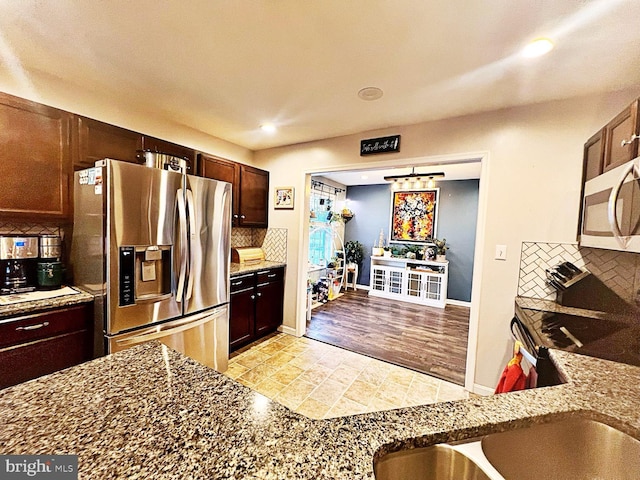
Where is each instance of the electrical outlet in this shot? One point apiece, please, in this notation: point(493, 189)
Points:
point(501, 252)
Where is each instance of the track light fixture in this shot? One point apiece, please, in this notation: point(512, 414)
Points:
point(414, 180)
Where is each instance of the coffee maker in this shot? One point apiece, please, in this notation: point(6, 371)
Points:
point(18, 264)
point(50, 270)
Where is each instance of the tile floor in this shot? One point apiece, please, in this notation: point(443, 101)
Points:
point(322, 381)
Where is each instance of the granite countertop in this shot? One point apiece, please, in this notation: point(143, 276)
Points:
point(151, 413)
point(239, 269)
point(34, 306)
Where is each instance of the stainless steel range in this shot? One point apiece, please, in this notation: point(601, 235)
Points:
point(597, 334)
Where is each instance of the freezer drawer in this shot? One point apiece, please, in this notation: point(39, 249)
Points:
point(203, 337)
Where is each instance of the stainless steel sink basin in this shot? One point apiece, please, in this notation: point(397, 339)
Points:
point(438, 462)
point(569, 449)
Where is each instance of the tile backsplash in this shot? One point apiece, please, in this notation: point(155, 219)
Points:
point(8, 228)
point(619, 271)
point(272, 240)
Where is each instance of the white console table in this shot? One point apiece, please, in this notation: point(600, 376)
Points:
point(416, 281)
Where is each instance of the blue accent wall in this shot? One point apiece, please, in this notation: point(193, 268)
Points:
point(457, 217)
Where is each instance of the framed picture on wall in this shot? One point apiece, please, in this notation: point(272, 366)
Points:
point(283, 197)
point(414, 216)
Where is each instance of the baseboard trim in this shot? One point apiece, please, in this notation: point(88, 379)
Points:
point(358, 287)
point(287, 330)
point(458, 303)
point(482, 390)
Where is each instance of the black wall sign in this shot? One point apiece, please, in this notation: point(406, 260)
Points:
point(372, 146)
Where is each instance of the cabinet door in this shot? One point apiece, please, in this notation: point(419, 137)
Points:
point(163, 146)
point(35, 153)
point(594, 155)
point(241, 318)
point(98, 140)
point(378, 278)
point(621, 138)
point(254, 197)
point(226, 171)
point(269, 307)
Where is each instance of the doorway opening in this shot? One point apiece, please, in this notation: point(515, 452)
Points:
point(440, 342)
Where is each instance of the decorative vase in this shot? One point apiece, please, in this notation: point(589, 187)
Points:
point(387, 253)
point(377, 251)
point(441, 258)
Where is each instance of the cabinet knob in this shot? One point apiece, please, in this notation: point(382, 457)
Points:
point(242, 217)
point(624, 143)
point(253, 297)
point(235, 215)
point(259, 294)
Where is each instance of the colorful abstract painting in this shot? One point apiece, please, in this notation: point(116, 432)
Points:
point(413, 216)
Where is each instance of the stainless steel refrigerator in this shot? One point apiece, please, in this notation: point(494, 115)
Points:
point(153, 246)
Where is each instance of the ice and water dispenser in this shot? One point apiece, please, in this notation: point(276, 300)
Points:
point(145, 273)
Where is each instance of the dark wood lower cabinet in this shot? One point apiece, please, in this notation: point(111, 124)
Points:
point(256, 306)
point(42, 343)
point(242, 318)
point(268, 309)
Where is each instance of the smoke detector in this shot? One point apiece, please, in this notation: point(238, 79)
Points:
point(370, 93)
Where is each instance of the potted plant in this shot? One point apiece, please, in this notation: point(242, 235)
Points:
point(354, 252)
point(441, 249)
point(414, 252)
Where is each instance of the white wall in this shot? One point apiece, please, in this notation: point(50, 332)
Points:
point(532, 187)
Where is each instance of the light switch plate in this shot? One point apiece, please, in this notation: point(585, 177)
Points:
point(501, 252)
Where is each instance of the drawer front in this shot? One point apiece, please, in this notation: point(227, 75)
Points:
point(27, 328)
point(268, 276)
point(41, 357)
point(242, 282)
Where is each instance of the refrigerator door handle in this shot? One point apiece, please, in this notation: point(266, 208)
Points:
point(182, 219)
point(169, 329)
point(191, 211)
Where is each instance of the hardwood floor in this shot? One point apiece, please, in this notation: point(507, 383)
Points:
point(426, 339)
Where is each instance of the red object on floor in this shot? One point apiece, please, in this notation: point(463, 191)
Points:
point(512, 378)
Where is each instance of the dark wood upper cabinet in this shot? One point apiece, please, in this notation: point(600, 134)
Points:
point(162, 146)
point(98, 140)
point(35, 154)
point(226, 171)
point(621, 137)
point(250, 188)
point(594, 155)
point(254, 197)
point(41, 146)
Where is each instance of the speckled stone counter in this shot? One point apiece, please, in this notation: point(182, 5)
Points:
point(150, 413)
point(35, 306)
point(239, 269)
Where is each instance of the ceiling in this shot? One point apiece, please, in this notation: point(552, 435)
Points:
point(226, 66)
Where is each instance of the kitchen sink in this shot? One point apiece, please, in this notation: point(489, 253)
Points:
point(438, 462)
point(568, 449)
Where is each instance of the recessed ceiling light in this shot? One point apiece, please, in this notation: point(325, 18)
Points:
point(537, 48)
point(370, 93)
point(268, 127)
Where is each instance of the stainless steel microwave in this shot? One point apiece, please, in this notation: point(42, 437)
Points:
point(611, 209)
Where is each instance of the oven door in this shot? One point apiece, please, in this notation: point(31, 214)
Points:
point(548, 375)
point(611, 210)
